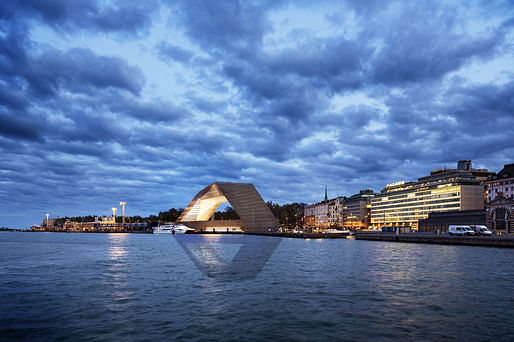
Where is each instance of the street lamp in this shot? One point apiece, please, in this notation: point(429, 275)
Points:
point(114, 214)
point(47, 219)
point(123, 211)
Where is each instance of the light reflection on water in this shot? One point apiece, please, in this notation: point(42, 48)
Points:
point(118, 249)
point(145, 287)
point(115, 276)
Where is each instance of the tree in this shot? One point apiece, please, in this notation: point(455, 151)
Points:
point(228, 214)
point(287, 214)
point(170, 216)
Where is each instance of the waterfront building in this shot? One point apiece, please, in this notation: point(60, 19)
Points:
point(254, 214)
point(500, 204)
point(101, 225)
point(501, 184)
point(404, 204)
point(48, 222)
point(321, 214)
point(335, 211)
point(308, 215)
point(439, 221)
point(466, 166)
point(37, 228)
point(500, 214)
point(317, 215)
point(357, 210)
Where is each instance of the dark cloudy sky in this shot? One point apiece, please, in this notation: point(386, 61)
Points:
point(150, 101)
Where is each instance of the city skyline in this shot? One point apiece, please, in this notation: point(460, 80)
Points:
point(102, 102)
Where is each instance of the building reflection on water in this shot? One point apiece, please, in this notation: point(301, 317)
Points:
point(212, 255)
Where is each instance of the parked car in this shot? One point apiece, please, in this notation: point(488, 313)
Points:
point(481, 230)
point(460, 230)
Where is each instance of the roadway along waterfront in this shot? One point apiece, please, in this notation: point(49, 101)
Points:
point(483, 241)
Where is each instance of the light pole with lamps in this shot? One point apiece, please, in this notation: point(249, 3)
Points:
point(123, 211)
point(114, 214)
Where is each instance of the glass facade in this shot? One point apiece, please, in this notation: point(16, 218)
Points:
point(404, 204)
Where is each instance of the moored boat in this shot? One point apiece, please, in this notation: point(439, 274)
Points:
point(171, 228)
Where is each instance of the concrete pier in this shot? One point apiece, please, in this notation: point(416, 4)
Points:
point(483, 241)
point(287, 235)
point(305, 235)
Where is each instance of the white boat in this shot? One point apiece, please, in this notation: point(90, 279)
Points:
point(171, 228)
point(337, 231)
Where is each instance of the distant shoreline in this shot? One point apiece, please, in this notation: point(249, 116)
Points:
point(72, 232)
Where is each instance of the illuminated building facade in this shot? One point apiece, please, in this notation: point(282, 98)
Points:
point(101, 225)
point(357, 210)
point(321, 214)
point(404, 204)
point(317, 215)
point(500, 205)
point(308, 215)
point(500, 215)
point(503, 184)
point(335, 211)
point(254, 214)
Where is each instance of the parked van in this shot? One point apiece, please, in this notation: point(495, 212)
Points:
point(480, 229)
point(460, 230)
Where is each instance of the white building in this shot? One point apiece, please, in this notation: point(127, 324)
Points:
point(503, 184)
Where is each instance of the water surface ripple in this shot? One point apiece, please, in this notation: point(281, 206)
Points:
point(130, 287)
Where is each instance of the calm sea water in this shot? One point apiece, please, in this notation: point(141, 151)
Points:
point(129, 287)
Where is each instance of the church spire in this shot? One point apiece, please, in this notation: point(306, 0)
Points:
point(326, 195)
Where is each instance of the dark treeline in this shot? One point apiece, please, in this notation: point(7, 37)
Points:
point(227, 214)
point(168, 216)
point(60, 220)
point(287, 214)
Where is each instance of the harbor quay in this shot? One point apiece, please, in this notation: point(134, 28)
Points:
point(441, 239)
point(503, 240)
point(304, 235)
point(506, 241)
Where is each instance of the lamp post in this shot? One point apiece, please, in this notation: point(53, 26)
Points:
point(114, 215)
point(47, 219)
point(123, 211)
